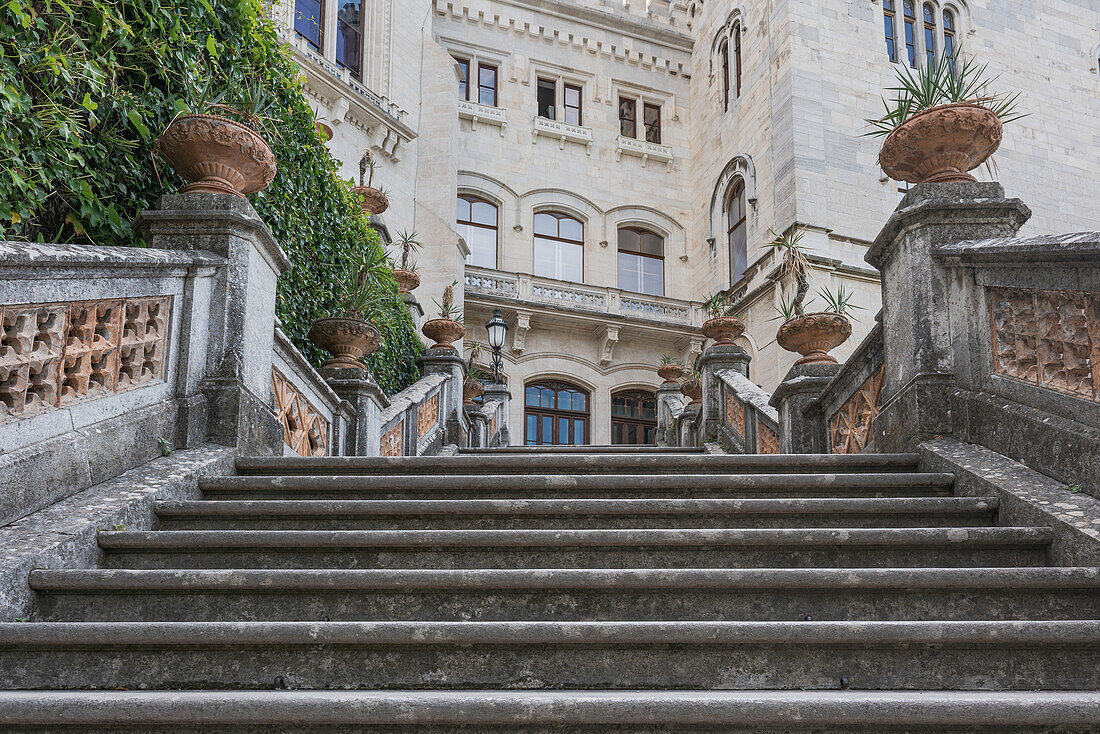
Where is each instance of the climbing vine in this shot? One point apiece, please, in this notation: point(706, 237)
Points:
point(86, 86)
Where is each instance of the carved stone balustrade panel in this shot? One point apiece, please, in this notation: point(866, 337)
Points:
point(393, 443)
point(767, 440)
point(427, 416)
point(305, 430)
point(850, 427)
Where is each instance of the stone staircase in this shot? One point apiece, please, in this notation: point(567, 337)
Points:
point(564, 591)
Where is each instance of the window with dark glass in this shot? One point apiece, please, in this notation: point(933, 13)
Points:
point(547, 92)
point(737, 56)
point(463, 79)
point(738, 240)
point(652, 122)
point(633, 418)
point(949, 38)
point(555, 413)
point(628, 122)
point(487, 85)
point(559, 246)
point(889, 20)
point(930, 35)
point(641, 261)
point(910, 32)
point(477, 224)
point(724, 53)
point(309, 21)
point(573, 105)
point(349, 35)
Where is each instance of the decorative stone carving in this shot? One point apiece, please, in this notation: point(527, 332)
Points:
point(767, 440)
point(735, 413)
point(1048, 338)
point(217, 155)
point(427, 416)
point(305, 431)
point(144, 327)
point(393, 443)
point(850, 427)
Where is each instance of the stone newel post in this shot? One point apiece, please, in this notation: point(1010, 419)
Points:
point(233, 392)
point(713, 360)
point(447, 362)
point(499, 391)
point(799, 433)
point(367, 401)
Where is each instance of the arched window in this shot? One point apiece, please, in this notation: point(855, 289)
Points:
point(737, 56)
point(889, 20)
point(736, 232)
point(930, 35)
point(633, 417)
point(555, 413)
point(949, 37)
point(910, 32)
point(641, 261)
point(724, 52)
point(477, 224)
point(559, 246)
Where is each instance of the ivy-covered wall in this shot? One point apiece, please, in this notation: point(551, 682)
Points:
point(87, 86)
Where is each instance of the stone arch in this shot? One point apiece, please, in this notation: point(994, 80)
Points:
point(740, 166)
point(487, 187)
point(649, 218)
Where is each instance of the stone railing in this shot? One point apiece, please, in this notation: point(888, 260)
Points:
point(313, 417)
point(645, 150)
point(475, 113)
point(748, 424)
point(498, 285)
point(562, 132)
point(413, 423)
point(489, 419)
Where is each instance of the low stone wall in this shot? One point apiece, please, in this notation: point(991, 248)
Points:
point(749, 425)
point(314, 418)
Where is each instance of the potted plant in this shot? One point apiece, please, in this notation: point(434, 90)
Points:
point(671, 369)
point(373, 200)
point(405, 273)
point(447, 327)
point(350, 336)
point(811, 335)
point(474, 385)
point(692, 387)
point(942, 123)
point(722, 325)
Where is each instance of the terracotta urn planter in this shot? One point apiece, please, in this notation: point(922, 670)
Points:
point(812, 335)
point(670, 372)
point(324, 130)
point(443, 332)
point(217, 155)
point(941, 144)
point(471, 389)
point(407, 280)
point(723, 329)
point(348, 340)
point(371, 199)
point(693, 389)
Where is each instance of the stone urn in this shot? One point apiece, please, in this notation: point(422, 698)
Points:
point(693, 389)
point(670, 372)
point(348, 340)
point(371, 199)
point(407, 280)
point(723, 329)
point(443, 332)
point(471, 388)
point(217, 155)
point(941, 144)
point(812, 335)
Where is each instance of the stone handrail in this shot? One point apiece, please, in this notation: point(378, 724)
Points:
point(748, 425)
point(414, 422)
point(313, 417)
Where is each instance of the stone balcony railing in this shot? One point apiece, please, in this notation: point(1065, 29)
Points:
point(483, 113)
point(562, 132)
point(529, 289)
point(643, 149)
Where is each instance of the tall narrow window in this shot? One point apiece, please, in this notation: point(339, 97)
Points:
point(349, 35)
point(738, 240)
point(641, 261)
point(555, 413)
point(652, 123)
point(930, 35)
point(737, 56)
point(889, 20)
point(309, 21)
point(724, 52)
point(547, 91)
point(910, 32)
point(628, 111)
point(463, 79)
point(949, 38)
point(487, 85)
point(559, 247)
point(477, 224)
point(573, 105)
point(633, 417)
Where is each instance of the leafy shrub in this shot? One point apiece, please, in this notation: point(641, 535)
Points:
point(85, 89)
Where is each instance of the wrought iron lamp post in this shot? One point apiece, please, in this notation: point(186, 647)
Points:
point(497, 329)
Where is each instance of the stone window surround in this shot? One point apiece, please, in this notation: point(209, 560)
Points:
point(643, 96)
point(329, 29)
point(475, 56)
point(725, 39)
point(562, 76)
point(962, 28)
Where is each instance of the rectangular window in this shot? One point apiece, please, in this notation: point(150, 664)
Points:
point(652, 123)
point(308, 21)
point(725, 76)
point(547, 91)
point(891, 31)
point(641, 274)
point(463, 79)
point(573, 105)
point(559, 260)
point(910, 33)
point(628, 110)
point(349, 35)
point(487, 85)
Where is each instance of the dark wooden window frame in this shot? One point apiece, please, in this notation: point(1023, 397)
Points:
point(724, 53)
point(737, 191)
point(737, 56)
point(949, 31)
point(358, 73)
point(909, 31)
point(661, 257)
point(565, 107)
point(320, 45)
point(646, 107)
point(475, 199)
point(558, 238)
point(929, 13)
point(890, 32)
point(556, 413)
point(633, 118)
point(464, 64)
point(496, 83)
point(539, 84)
point(641, 423)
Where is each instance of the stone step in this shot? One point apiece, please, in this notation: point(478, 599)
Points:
point(507, 514)
point(630, 548)
point(569, 594)
point(535, 451)
point(587, 655)
point(585, 463)
point(552, 712)
point(578, 486)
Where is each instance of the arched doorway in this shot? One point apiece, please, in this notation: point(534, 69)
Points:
point(633, 417)
point(555, 413)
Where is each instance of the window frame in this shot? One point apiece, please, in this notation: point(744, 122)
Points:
point(633, 119)
point(643, 424)
point(950, 35)
point(319, 47)
point(464, 64)
point(737, 191)
point(646, 106)
point(362, 31)
point(478, 199)
point(481, 66)
point(640, 230)
point(556, 413)
point(558, 215)
point(540, 82)
point(724, 54)
point(579, 89)
point(928, 13)
point(889, 11)
point(737, 55)
point(909, 31)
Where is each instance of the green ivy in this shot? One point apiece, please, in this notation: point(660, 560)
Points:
point(85, 89)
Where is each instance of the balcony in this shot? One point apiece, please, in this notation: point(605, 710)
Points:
point(582, 299)
point(476, 113)
point(645, 150)
point(562, 132)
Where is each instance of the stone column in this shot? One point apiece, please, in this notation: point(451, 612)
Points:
point(447, 362)
point(367, 400)
point(499, 391)
point(919, 374)
point(713, 360)
point(800, 433)
point(236, 384)
point(667, 431)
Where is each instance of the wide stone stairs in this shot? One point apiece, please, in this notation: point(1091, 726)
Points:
point(564, 591)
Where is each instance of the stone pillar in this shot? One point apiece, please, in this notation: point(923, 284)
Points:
point(715, 359)
point(499, 391)
point(236, 384)
point(367, 401)
point(800, 433)
point(919, 374)
point(667, 431)
point(416, 311)
point(447, 362)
